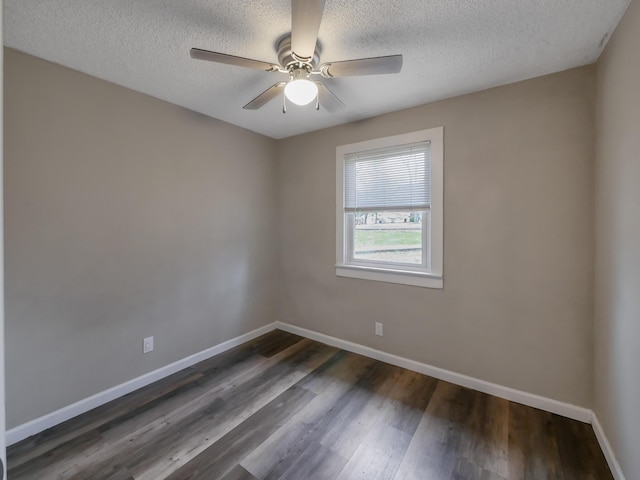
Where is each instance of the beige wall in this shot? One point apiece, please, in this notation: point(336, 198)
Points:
point(128, 217)
point(517, 305)
point(617, 334)
point(125, 217)
point(3, 456)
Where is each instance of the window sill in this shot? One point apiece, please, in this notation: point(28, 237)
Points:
point(415, 279)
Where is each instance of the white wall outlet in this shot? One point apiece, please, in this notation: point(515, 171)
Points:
point(378, 329)
point(147, 345)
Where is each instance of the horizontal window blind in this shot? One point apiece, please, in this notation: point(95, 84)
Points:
point(388, 179)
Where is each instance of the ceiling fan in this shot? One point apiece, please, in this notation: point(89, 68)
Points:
point(299, 56)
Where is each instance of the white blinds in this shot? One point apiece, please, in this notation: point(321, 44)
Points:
point(396, 178)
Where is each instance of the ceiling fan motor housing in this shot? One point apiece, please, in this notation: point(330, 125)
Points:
point(288, 59)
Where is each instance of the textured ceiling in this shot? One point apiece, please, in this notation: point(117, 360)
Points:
point(450, 47)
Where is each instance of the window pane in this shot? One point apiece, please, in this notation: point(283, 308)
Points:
point(394, 237)
point(389, 179)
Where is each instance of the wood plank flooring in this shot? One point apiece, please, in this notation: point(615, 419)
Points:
point(287, 408)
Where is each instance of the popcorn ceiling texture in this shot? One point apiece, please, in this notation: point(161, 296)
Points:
point(450, 47)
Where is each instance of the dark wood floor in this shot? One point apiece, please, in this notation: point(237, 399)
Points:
point(284, 407)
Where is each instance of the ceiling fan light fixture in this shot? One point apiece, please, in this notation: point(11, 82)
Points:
point(299, 56)
point(300, 90)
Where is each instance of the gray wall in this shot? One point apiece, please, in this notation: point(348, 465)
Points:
point(125, 217)
point(517, 305)
point(617, 359)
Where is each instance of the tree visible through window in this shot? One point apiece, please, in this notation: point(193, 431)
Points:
point(394, 237)
point(388, 201)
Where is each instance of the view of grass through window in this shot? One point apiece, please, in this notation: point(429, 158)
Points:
point(394, 237)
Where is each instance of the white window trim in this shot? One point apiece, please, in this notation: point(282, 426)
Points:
point(432, 279)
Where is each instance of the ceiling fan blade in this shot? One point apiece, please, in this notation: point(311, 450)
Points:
point(306, 16)
point(363, 66)
point(200, 54)
point(265, 97)
point(328, 99)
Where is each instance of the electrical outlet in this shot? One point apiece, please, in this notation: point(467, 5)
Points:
point(147, 345)
point(378, 329)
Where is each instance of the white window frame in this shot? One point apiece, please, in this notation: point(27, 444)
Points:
point(430, 274)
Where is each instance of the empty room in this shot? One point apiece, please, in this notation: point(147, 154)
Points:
point(320, 239)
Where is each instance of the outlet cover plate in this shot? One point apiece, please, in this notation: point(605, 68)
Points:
point(147, 345)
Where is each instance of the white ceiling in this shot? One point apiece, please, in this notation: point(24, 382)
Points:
point(450, 47)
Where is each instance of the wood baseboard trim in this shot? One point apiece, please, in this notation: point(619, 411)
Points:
point(49, 420)
point(543, 403)
point(612, 461)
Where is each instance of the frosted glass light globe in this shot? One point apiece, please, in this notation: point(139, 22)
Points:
point(301, 91)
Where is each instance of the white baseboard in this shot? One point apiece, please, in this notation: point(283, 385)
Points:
point(614, 466)
point(543, 403)
point(3, 449)
point(568, 410)
point(547, 404)
point(54, 418)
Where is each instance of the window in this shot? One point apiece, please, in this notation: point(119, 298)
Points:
point(389, 223)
